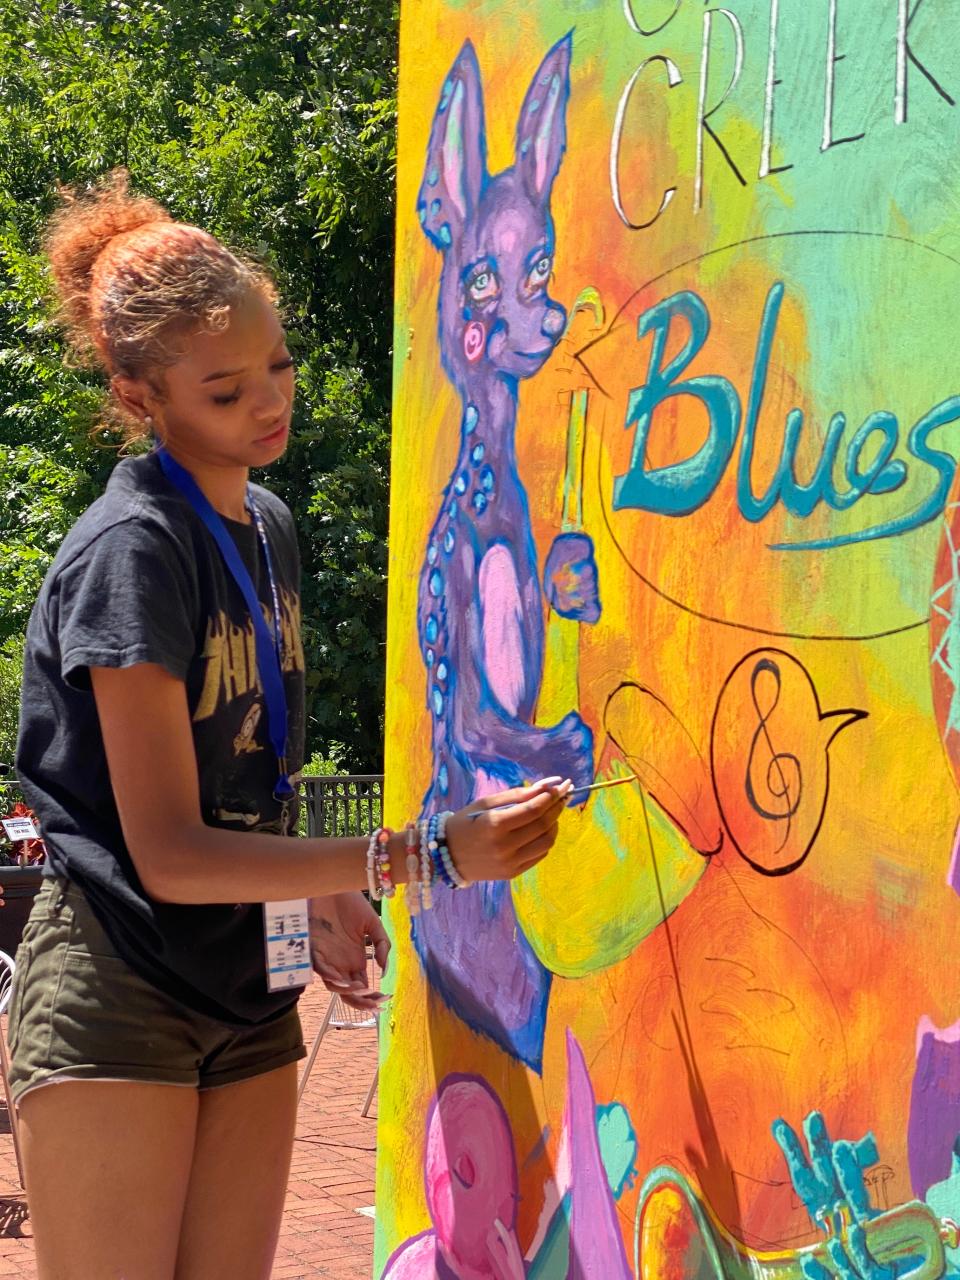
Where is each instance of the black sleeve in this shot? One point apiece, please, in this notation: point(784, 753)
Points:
point(128, 597)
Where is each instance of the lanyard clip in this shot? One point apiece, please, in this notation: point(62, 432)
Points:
point(284, 789)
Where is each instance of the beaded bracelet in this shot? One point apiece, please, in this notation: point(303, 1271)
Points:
point(428, 843)
point(439, 861)
point(453, 875)
point(434, 863)
point(435, 859)
point(379, 881)
point(437, 850)
point(382, 858)
point(426, 872)
point(414, 887)
point(373, 886)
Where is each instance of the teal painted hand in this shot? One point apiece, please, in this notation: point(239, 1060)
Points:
point(828, 1178)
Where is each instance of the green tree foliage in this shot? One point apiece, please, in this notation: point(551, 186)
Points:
point(270, 123)
point(11, 672)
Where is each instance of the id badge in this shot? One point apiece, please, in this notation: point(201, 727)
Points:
point(287, 938)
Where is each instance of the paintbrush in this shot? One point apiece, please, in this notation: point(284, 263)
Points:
point(599, 786)
point(577, 791)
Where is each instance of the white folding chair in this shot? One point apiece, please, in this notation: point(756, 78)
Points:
point(341, 1017)
point(7, 970)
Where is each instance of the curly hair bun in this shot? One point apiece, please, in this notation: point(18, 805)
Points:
point(78, 233)
point(134, 285)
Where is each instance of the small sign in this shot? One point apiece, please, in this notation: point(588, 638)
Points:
point(287, 931)
point(20, 829)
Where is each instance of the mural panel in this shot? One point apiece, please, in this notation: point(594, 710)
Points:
point(677, 415)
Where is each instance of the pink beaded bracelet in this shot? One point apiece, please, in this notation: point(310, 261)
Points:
point(382, 856)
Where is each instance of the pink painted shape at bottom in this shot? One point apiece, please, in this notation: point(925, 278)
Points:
point(470, 1172)
point(596, 1245)
point(470, 1178)
point(415, 1260)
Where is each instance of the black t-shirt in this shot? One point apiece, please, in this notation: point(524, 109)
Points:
point(140, 579)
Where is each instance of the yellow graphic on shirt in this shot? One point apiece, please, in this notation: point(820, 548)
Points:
point(230, 656)
point(280, 825)
point(245, 742)
point(226, 815)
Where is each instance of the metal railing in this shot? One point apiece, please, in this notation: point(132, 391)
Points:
point(343, 804)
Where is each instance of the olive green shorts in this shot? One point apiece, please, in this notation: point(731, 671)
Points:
point(79, 1012)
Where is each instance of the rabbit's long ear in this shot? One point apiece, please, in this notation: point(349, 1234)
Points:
point(542, 129)
point(456, 167)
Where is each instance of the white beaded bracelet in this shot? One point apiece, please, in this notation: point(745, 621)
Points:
point(426, 870)
point(445, 855)
point(376, 893)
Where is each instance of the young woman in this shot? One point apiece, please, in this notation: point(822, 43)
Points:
point(153, 1056)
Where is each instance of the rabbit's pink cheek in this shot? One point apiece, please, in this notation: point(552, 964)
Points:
point(474, 338)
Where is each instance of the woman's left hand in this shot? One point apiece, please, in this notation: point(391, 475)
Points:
point(340, 928)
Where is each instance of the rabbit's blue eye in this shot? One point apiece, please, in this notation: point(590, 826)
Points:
point(540, 274)
point(484, 286)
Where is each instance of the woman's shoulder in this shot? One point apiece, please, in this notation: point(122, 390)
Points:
point(267, 500)
point(136, 512)
point(273, 509)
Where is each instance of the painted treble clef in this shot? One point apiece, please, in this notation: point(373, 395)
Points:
point(786, 792)
point(766, 691)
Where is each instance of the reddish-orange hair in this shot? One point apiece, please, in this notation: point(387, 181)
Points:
point(133, 284)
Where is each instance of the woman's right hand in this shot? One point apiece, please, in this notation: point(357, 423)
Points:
point(502, 835)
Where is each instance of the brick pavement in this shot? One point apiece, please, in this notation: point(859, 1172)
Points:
point(323, 1236)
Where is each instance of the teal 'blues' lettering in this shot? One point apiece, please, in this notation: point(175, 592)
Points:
point(683, 486)
point(942, 463)
point(882, 476)
point(801, 500)
point(755, 509)
point(688, 484)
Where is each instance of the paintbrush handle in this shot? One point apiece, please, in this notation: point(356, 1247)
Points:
point(577, 791)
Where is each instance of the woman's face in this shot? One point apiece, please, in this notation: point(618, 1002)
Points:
point(228, 400)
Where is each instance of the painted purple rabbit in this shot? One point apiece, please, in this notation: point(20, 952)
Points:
point(480, 612)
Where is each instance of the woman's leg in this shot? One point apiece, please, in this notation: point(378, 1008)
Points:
point(239, 1178)
point(107, 1167)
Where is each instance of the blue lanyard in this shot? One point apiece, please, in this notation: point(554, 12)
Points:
point(269, 649)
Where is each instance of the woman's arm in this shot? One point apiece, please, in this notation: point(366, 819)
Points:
point(146, 730)
point(145, 723)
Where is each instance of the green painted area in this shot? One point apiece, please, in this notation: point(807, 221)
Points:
point(568, 918)
point(553, 1256)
